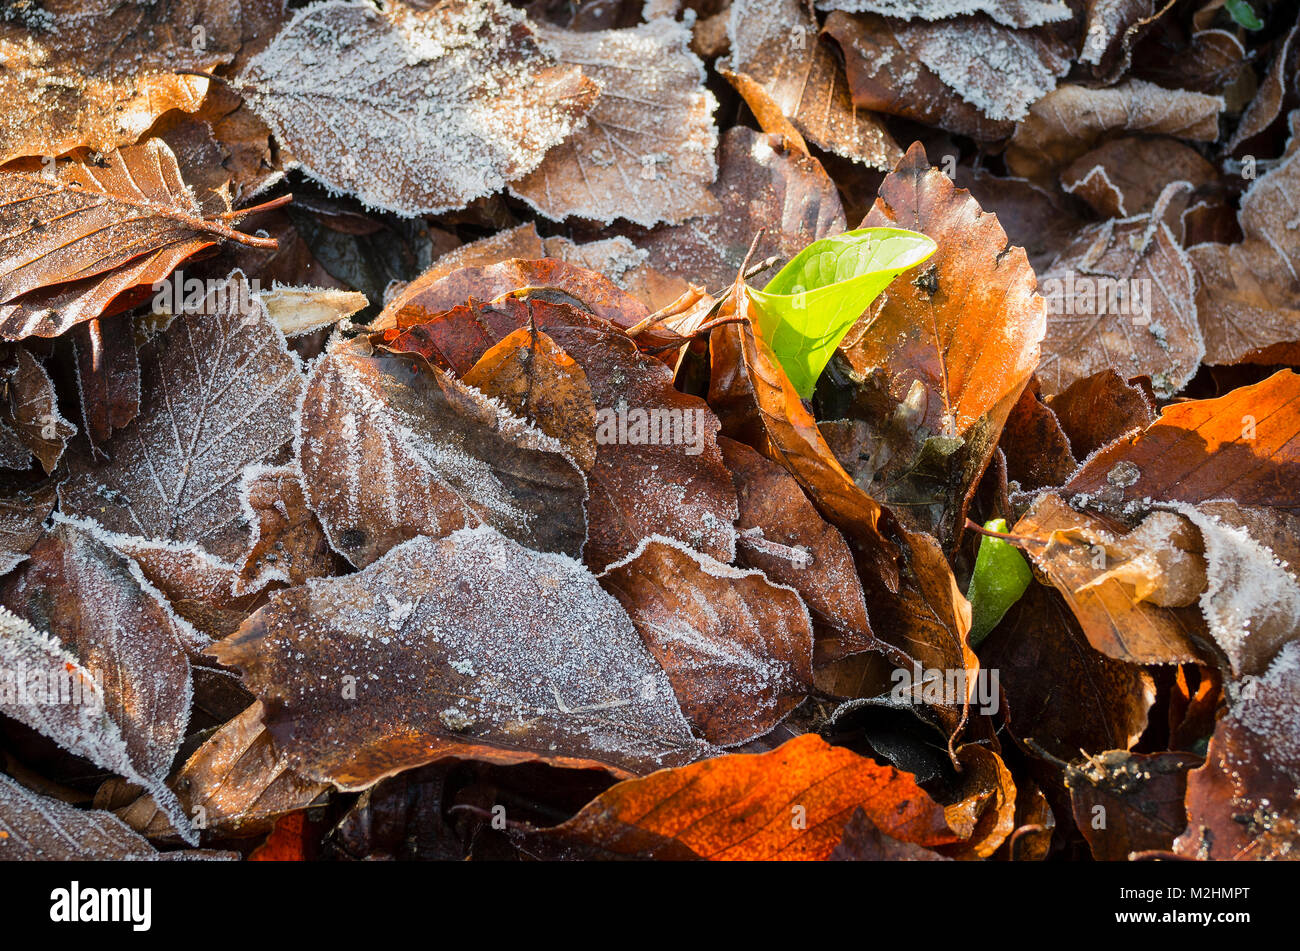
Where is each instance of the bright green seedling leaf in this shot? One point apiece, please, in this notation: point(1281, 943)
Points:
point(1000, 577)
point(1244, 14)
point(807, 308)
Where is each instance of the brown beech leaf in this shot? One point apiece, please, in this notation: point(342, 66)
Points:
point(22, 512)
point(646, 152)
point(758, 405)
point(415, 111)
point(638, 487)
point(1072, 119)
point(97, 73)
point(1137, 796)
point(1266, 106)
point(1115, 180)
point(1078, 553)
point(762, 183)
point(1036, 447)
point(1014, 13)
point(739, 807)
point(236, 781)
point(32, 408)
point(1122, 297)
point(288, 544)
point(1247, 292)
point(781, 534)
point(390, 447)
point(1241, 446)
point(1111, 28)
point(1241, 804)
point(470, 646)
point(1062, 693)
point(958, 343)
point(84, 614)
point(533, 378)
point(36, 828)
point(219, 389)
point(983, 812)
point(736, 647)
point(776, 62)
point(864, 841)
point(108, 375)
point(1035, 218)
point(76, 241)
point(1099, 409)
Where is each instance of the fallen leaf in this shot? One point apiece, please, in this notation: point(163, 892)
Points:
point(646, 151)
point(1015, 13)
point(1099, 409)
point(469, 645)
point(32, 409)
point(287, 543)
point(863, 841)
point(464, 99)
point(108, 375)
point(1129, 802)
point(301, 310)
point(23, 511)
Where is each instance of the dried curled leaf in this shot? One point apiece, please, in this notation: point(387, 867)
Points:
point(646, 151)
point(219, 389)
point(737, 648)
point(32, 409)
point(415, 111)
point(470, 645)
point(390, 449)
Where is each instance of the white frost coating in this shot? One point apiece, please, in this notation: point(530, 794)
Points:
point(1017, 13)
point(1251, 600)
point(646, 153)
point(414, 112)
point(41, 828)
point(1270, 708)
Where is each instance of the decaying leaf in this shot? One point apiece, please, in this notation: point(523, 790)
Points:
point(1015, 13)
point(646, 151)
point(739, 807)
point(31, 410)
point(301, 310)
point(22, 512)
point(287, 543)
point(467, 645)
point(1099, 409)
point(737, 648)
point(415, 111)
point(1139, 794)
point(108, 375)
point(219, 389)
point(776, 62)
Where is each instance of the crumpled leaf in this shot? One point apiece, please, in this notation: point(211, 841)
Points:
point(983, 812)
point(1241, 804)
point(219, 389)
point(97, 73)
point(470, 645)
point(1241, 446)
point(737, 648)
point(77, 609)
point(90, 240)
point(646, 151)
point(41, 828)
point(440, 105)
point(791, 803)
point(22, 513)
point(1115, 178)
point(1071, 119)
point(1246, 293)
point(1099, 409)
point(957, 343)
point(776, 62)
point(1122, 297)
point(390, 449)
point(32, 409)
point(287, 542)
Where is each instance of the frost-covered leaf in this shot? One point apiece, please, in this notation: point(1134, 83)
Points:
point(390, 447)
point(287, 544)
point(1017, 13)
point(1121, 297)
point(108, 374)
point(1110, 29)
point(116, 646)
point(955, 345)
point(36, 828)
point(1115, 178)
point(219, 389)
point(774, 45)
point(1072, 119)
point(22, 511)
point(32, 409)
point(470, 645)
point(415, 111)
point(646, 152)
point(97, 73)
point(1099, 409)
point(737, 648)
point(658, 468)
point(89, 239)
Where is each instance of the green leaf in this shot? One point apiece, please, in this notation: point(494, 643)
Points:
point(1244, 14)
point(1000, 577)
point(807, 308)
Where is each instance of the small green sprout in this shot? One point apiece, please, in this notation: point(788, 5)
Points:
point(1244, 14)
point(1000, 577)
point(807, 308)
